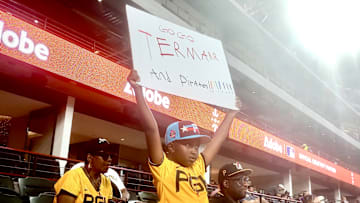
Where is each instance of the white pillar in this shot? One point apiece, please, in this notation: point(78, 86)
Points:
point(288, 182)
point(337, 194)
point(63, 131)
point(310, 188)
point(207, 174)
point(302, 183)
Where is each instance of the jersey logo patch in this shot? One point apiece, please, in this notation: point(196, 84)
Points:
point(197, 183)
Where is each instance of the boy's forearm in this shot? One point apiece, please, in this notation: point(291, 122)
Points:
point(153, 140)
point(148, 121)
point(150, 126)
point(220, 136)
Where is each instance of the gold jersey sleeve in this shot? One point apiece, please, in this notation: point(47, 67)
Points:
point(178, 184)
point(78, 184)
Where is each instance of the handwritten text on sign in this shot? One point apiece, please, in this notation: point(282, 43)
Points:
point(179, 61)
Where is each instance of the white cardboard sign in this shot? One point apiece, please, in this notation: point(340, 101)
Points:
point(176, 60)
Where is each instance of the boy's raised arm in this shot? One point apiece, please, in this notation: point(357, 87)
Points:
point(147, 120)
point(220, 136)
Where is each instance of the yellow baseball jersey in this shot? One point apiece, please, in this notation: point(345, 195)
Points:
point(178, 184)
point(77, 183)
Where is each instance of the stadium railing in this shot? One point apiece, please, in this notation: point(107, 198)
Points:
point(32, 164)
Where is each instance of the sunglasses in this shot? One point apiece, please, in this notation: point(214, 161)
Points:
point(105, 155)
point(243, 179)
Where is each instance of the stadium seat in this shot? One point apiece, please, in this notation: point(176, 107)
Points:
point(133, 195)
point(43, 198)
point(8, 191)
point(33, 186)
point(148, 197)
point(6, 182)
point(8, 198)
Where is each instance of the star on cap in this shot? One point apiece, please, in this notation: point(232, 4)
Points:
point(184, 129)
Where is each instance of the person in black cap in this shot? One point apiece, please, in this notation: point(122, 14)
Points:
point(233, 181)
point(87, 184)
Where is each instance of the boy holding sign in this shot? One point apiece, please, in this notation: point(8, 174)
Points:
point(178, 175)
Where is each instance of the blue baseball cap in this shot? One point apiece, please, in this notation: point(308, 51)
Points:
point(184, 130)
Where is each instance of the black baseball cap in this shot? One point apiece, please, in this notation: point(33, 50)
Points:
point(98, 145)
point(231, 170)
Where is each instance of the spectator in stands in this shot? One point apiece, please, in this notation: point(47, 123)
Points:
point(286, 195)
point(307, 199)
point(115, 180)
point(280, 190)
point(277, 191)
point(305, 147)
point(254, 198)
point(179, 174)
point(252, 188)
point(87, 184)
point(233, 181)
point(319, 199)
point(250, 195)
point(300, 196)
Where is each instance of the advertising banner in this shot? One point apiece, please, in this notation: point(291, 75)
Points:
point(257, 138)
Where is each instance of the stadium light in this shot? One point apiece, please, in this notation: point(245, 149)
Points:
point(329, 28)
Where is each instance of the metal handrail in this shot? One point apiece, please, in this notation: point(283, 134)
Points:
point(137, 183)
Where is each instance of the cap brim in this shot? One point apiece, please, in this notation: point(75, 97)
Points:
point(96, 149)
point(242, 172)
point(203, 138)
